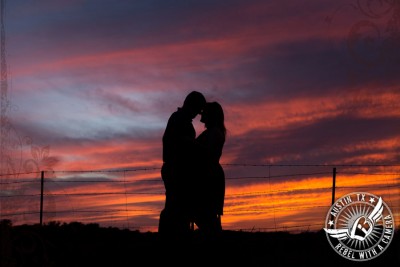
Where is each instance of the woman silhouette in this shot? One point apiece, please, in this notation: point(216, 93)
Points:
point(210, 186)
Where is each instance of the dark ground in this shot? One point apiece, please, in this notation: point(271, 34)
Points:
point(76, 244)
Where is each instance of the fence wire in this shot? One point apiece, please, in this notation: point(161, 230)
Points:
point(21, 188)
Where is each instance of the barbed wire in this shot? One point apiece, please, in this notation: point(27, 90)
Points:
point(310, 165)
point(20, 182)
point(229, 229)
point(160, 180)
point(19, 173)
point(262, 229)
point(230, 210)
point(107, 170)
point(223, 164)
point(367, 173)
point(258, 193)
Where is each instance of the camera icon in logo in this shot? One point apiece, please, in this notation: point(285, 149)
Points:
point(362, 227)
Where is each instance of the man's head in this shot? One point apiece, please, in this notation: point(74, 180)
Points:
point(194, 103)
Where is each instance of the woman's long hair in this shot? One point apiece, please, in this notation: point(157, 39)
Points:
point(215, 116)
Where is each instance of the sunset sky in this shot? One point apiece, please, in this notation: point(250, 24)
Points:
point(305, 86)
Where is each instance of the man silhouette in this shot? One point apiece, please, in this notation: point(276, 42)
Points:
point(178, 164)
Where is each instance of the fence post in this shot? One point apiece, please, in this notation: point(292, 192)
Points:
point(333, 188)
point(41, 197)
point(333, 185)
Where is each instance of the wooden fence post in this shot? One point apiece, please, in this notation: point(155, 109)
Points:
point(333, 185)
point(41, 197)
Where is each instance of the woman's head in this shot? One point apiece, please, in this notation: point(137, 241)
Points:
point(213, 116)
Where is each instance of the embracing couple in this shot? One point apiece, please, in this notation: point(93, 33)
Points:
point(193, 178)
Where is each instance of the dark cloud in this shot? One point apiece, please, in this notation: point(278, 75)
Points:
point(325, 141)
point(306, 68)
point(76, 27)
point(97, 26)
point(114, 102)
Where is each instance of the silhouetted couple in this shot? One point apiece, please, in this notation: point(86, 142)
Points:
point(193, 177)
